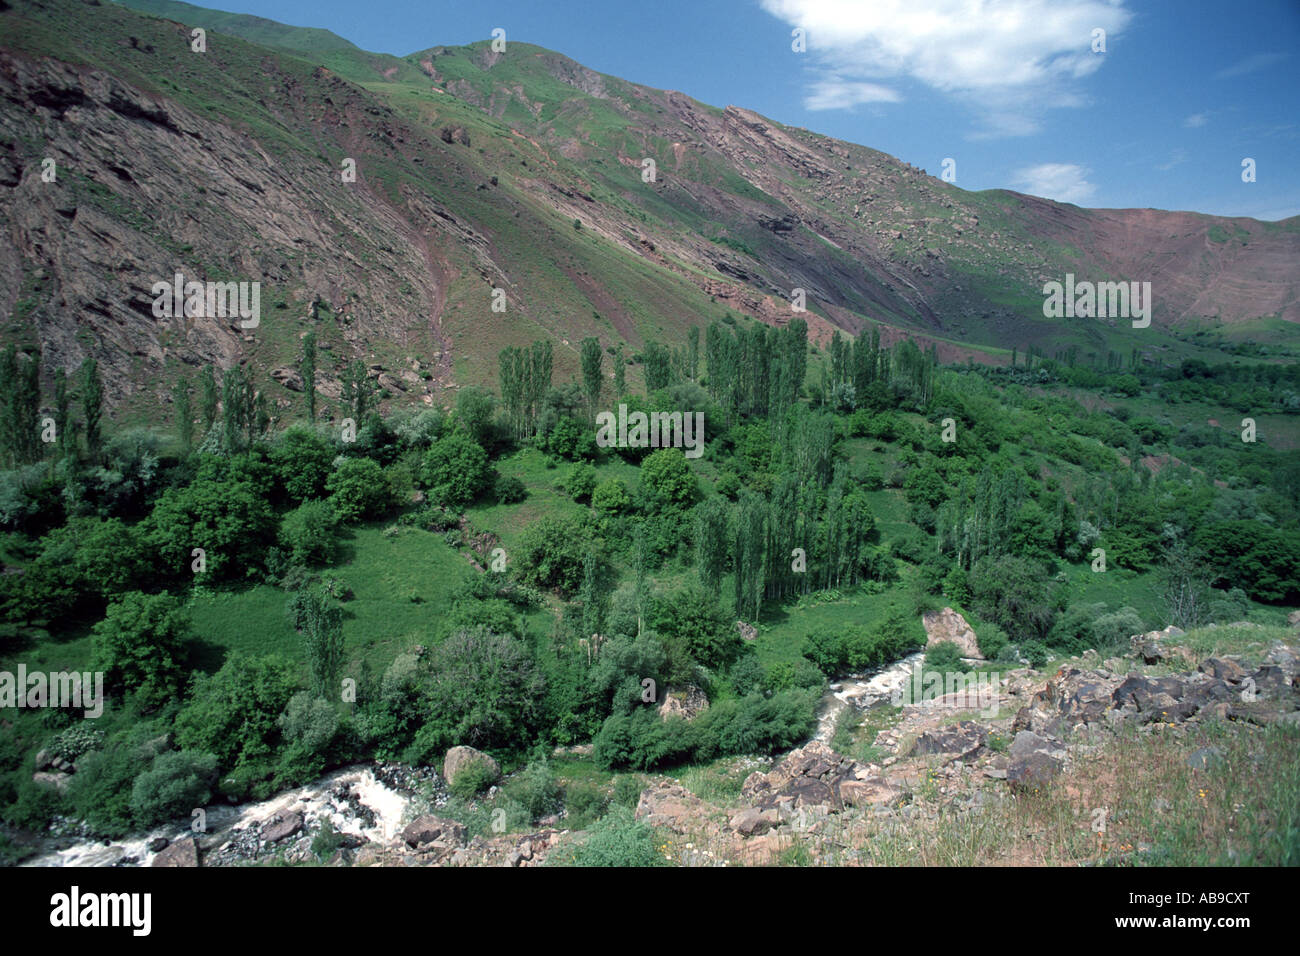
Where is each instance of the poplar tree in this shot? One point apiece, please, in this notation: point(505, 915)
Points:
point(711, 544)
point(92, 405)
point(593, 379)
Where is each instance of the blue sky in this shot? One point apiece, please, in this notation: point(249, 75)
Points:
point(1016, 96)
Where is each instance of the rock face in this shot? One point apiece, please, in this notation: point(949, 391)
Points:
point(688, 703)
point(948, 625)
point(459, 758)
point(184, 852)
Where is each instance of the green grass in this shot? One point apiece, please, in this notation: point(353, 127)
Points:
point(379, 622)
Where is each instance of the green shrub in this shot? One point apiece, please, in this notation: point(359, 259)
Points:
point(617, 839)
point(510, 490)
point(991, 640)
point(76, 740)
point(536, 790)
point(359, 489)
point(309, 533)
point(580, 481)
point(177, 782)
point(1035, 652)
point(455, 470)
point(944, 656)
point(140, 646)
point(585, 803)
point(473, 779)
point(327, 841)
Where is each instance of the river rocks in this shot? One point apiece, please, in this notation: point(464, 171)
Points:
point(688, 703)
point(458, 758)
point(183, 852)
point(429, 829)
point(948, 625)
point(282, 827)
point(157, 844)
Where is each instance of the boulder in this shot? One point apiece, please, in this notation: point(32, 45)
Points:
point(753, 821)
point(282, 827)
point(458, 758)
point(1027, 742)
point(948, 625)
point(1032, 771)
point(184, 852)
point(873, 791)
point(960, 741)
point(429, 829)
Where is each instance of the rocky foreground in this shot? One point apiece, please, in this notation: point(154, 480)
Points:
point(1054, 761)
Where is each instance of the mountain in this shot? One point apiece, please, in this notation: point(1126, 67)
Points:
point(521, 171)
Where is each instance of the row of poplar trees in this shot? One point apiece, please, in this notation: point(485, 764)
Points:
point(756, 371)
point(24, 430)
point(525, 377)
point(812, 531)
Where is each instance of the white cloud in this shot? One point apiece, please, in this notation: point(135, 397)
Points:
point(1176, 158)
point(1196, 120)
point(1064, 182)
point(836, 93)
point(1005, 56)
point(1251, 64)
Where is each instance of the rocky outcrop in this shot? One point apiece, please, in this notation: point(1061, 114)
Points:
point(687, 702)
point(817, 776)
point(1148, 646)
point(429, 829)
